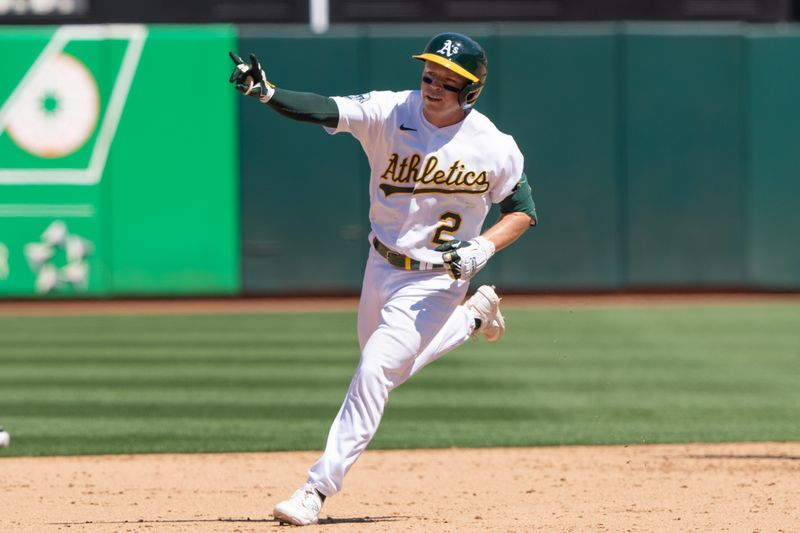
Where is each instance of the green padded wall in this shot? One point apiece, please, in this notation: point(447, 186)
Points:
point(567, 134)
point(660, 154)
point(686, 212)
point(304, 211)
point(774, 165)
point(557, 95)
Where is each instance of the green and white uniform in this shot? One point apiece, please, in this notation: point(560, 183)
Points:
point(427, 185)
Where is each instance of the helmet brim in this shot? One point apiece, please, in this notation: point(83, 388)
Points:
point(443, 61)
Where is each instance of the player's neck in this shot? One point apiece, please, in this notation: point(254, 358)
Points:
point(442, 120)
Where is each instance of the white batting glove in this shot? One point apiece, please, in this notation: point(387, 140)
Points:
point(463, 260)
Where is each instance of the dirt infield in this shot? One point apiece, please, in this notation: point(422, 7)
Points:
point(723, 487)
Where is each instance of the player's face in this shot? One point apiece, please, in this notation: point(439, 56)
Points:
point(440, 87)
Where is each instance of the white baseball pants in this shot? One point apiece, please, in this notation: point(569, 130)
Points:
point(406, 320)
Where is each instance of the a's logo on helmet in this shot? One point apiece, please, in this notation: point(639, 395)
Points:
point(449, 48)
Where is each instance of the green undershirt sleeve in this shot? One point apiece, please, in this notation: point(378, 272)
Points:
point(306, 107)
point(520, 200)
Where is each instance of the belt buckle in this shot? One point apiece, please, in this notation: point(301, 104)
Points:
point(394, 258)
point(398, 260)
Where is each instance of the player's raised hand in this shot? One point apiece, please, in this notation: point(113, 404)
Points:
point(464, 259)
point(251, 80)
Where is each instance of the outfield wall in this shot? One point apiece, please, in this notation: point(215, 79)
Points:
point(661, 155)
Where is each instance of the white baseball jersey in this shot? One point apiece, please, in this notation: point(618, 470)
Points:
point(428, 185)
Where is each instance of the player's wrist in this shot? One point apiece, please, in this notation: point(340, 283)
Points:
point(267, 92)
point(486, 245)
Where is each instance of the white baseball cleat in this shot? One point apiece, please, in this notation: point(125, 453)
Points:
point(302, 509)
point(485, 305)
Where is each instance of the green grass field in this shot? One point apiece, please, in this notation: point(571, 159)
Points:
point(114, 384)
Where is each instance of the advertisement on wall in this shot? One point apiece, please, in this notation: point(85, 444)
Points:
point(61, 105)
point(111, 181)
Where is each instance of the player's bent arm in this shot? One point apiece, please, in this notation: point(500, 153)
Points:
point(508, 228)
point(518, 213)
point(463, 260)
point(306, 107)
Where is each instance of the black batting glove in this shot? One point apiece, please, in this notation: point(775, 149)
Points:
point(251, 80)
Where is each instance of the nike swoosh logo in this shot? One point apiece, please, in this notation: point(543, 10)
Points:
point(403, 127)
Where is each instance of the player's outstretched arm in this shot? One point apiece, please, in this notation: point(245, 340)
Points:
point(306, 107)
point(251, 80)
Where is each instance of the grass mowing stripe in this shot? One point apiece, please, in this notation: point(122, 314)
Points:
point(113, 384)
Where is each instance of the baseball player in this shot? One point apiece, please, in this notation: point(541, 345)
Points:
point(437, 165)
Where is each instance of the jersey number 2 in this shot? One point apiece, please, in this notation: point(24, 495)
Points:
point(450, 224)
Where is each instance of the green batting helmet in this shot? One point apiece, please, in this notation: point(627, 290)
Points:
point(463, 56)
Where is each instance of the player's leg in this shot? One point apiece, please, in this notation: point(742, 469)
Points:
point(455, 332)
point(484, 306)
point(371, 299)
point(304, 506)
point(417, 306)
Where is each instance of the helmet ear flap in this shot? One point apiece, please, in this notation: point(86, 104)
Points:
point(469, 94)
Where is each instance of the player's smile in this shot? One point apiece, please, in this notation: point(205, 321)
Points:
point(431, 92)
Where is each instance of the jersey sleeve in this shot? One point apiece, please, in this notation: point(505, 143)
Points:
point(509, 173)
point(362, 115)
point(521, 201)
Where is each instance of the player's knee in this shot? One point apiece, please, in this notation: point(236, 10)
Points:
point(382, 375)
point(373, 372)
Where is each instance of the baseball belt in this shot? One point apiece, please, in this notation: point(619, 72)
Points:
point(402, 261)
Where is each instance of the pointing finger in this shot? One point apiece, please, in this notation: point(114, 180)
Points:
point(254, 62)
point(236, 59)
